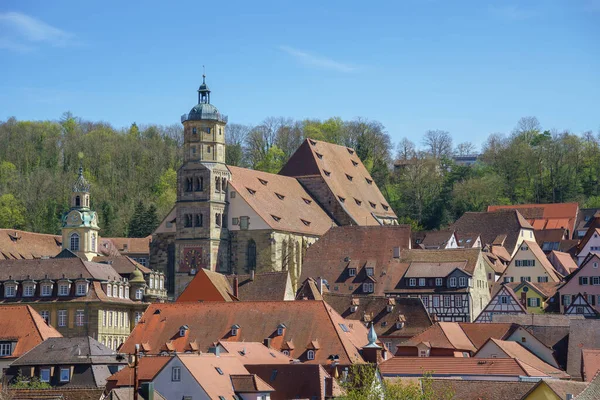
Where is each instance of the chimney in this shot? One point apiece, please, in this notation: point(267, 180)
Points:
point(236, 285)
point(147, 390)
point(524, 299)
point(267, 342)
point(251, 274)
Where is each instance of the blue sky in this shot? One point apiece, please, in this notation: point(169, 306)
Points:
point(469, 67)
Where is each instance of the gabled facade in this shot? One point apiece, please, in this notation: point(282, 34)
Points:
point(503, 302)
point(580, 306)
point(585, 281)
point(530, 264)
point(590, 243)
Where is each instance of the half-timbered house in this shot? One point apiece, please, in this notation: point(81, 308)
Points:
point(580, 306)
point(505, 301)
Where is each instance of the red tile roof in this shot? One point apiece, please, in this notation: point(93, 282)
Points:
point(15, 244)
point(590, 360)
point(294, 381)
point(30, 330)
point(345, 175)
point(148, 367)
point(305, 321)
point(251, 353)
point(127, 246)
point(456, 366)
point(355, 246)
point(562, 262)
point(281, 201)
point(546, 216)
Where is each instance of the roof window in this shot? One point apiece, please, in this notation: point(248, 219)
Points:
point(276, 218)
point(369, 181)
point(350, 150)
point(251, 191)
point(385, 207)
point(341, 199)
point(307, 201)
point(358, 202)
point(349, 177)
point(219, 370)
point(373, 205)
point(327, 173)
point(279, 196)
point(354, 163)
point(312, 142)
point(305, 222)
point(263, 181)
point(319, 155)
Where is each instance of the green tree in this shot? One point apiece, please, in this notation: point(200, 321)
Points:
point(273, 160)
point(137, 221)
point(12, 212)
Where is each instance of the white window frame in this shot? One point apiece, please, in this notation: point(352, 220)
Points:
point(139, 294)
point(422, 281)
point(63, 318)
point(74, 242)
point(10, 290)
point(5, 349)
point(79, 318)
point(110, 318)
point(436, 301)
point(121, 291)
point(412, 282)
point(81, 289)
point(45, 314)
point(46, 290)
point(370, 271)
point(61, 292)
point(68, 371)
point(28, 290)
point(452, 281)
point(47, 371)
point(462, 281)
point(109, 290)
point(176, 374)
point(310, 355)
point(439, 281)
point(447, 301)
point(126, 292)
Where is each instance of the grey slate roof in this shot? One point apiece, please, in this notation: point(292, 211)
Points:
point(61, 351)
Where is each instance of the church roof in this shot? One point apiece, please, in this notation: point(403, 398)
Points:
point(345, 175)
point(280, 201)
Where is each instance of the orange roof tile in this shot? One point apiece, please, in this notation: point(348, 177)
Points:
point(590, 363)
point(545, 263)
point(127, 246)
point(546, 216)
point(30, 330)
point(148, 367)
point(563, 261)
point(294, 381)
point(345, 175)
point(305, 321)
point(453, 366)
point(15, 244)
point(251, 353)
point(281, 202)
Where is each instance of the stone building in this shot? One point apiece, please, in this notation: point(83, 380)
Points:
point(235, 220)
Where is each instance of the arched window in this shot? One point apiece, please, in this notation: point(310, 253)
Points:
point(223, 184)
point(251, 255)
point(284, 255)
point(188, 184)
point(199, 184)
point(217, 184)
point(87, 201)
point(75, 241)
point(93, 242)
point(77, 201)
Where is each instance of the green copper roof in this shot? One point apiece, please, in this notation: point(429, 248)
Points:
point(81, 185)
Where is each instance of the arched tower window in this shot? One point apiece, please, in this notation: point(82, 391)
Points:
point(217, 184)
point(251, 255)
point(87, 201)
point(223, 184)
point(188, 184)
point(93, 242)
point(74, 242)
point(199, 184)
point(77, 201)
point(284, 255)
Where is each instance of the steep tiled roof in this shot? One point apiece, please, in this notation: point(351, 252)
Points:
point(479, 334)
point(501, 252)
point(122, 264)
point(590, 363)
point(480, 390)
point(517, 351)
point(126, 393)
point(294, 381)
point(560, 387)
point(545, 263)
point(588, 235)
point(251, 353)
point(55, 268)
point(76, 350)
point(249, 384)
point(583, 334)
point(466, 259)
point(213, 286)
point(437, 239)
point(148, 367)
point(16, 244)
point(546, 216)
point(131, 245)
point(280, 201)
point(492, 225)
point(443, 335)
point(30, 330)
point(305, 321)
point(415, 316)
point(586, 217)
point(592, 391)
point(57, 393)
point(563, 261)
point(418, 269)
point(550, 236)
point(355, 246)
point(345, 175)
point(467, 239)
point(456, 366)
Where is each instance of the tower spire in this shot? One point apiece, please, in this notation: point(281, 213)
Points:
point(203, 91)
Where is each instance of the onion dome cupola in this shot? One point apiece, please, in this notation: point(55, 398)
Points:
point(137, 277)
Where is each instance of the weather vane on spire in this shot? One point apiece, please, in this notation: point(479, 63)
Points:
point(203, 74)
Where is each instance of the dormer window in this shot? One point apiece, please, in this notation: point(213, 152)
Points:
point(354, 163)
point(319, 155)
point(384, 207)
point(10, 289)
point(369, 181)
point(310, 354)
point(368, 287)
point(412, 282)
point(453, 282)
point(109, 290)
point(63, 289)
point(349, 177)
point(263, 182)
point(352, 271)
point(327, 173)
point(462, 281)
point(358, 202)
point(370, 271)
point(280, 196)
point(46, 289)
point(281, 329)
point(312, 142)
point(182, 330)
point(305, 222)
point(421, 281)
point(234, 330)
point(81, 289)
point(353, 308)
point(251, 191)
point(307, 201)
point(350, 150)
point(373, 205)
point(342, 199)
point(438, 281)
point(28, 289)
point(276, 218)
point(389, 308)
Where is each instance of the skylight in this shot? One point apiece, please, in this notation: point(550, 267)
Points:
point(279, 196)
point(349, 177)
point(276, 218)
point(251, 191)
point(344, 327)
point(263, 181)
point(219, 370)
point(307, 201)
point(305, 222)
point(327, 173)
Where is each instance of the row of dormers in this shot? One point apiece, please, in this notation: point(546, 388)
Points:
point(45, 288)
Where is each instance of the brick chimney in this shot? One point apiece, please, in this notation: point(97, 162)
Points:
point(236, 286)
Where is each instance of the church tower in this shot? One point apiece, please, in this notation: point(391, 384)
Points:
point(201, 239)
point(80, 224)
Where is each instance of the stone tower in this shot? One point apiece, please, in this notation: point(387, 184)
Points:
point(80, 223)
point(202, 239)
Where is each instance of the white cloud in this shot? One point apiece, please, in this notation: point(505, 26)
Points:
point(20, 32)
point(316, 61)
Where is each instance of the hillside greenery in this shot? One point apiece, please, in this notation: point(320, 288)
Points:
point(133, 171)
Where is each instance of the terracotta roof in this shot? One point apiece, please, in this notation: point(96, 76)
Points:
point(209, 322)
point(443, 335)
point(560, 387)
point(122, 264)
point(126, 393)
point(294, 381)
point(517, 351)
point(437, 239)
point(590, 363)
point(562, 261)
point(15, 244)
point(481, 390)
point(281, 202)
point(583, 334)
point(501, 252)
point(249, 384)
point(355, 246)
point(464, 258)
point(592, 391)
point(56, 393)
point(492, 225)
point(148, 367)
point(213, 286)
point(251, 353)
point(550, 236)
point(131, 245)
point(30, 330)
point(546, 216)
point(586, 217)
point(345, 175)
point(479, 334)
point(494, 262)
point(415, 316)
point(456, 366)
point(309, 290)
